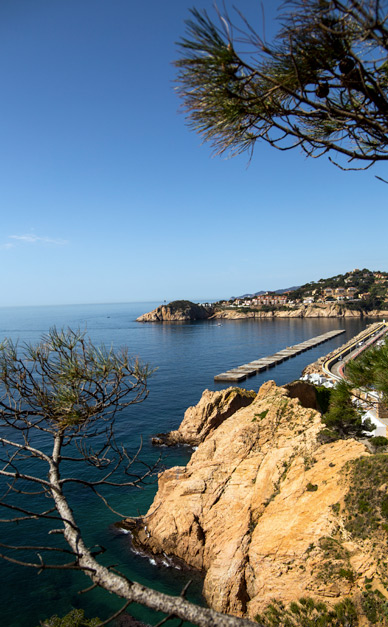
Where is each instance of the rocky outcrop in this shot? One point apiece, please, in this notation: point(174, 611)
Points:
point(202, 419)
point(177, 311)
point(305, 393)
point(184, 310)
point(305, 311)
point(254, 507)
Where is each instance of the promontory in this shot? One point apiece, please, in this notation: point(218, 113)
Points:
point(178, 311)
point(275, 517)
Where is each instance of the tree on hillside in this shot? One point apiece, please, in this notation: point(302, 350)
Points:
point(321, 84)
point(58, 404)
point(370, 371)
point(343, 419)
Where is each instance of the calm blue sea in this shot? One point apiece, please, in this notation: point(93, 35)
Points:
point(186, 357)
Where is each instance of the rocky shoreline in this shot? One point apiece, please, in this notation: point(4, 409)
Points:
point(259, 503)
point(186, 311)
point(306, 311)
point(202, 420)
point(178, 311)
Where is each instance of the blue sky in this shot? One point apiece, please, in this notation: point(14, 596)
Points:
point(107, 196)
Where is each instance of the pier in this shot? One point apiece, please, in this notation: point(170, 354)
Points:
point(240, 373)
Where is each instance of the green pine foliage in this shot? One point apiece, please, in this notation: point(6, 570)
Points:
point(370, 371)
point(321, 84)
point(343, 419)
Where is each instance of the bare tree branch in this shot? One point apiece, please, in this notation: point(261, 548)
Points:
point(71, 391)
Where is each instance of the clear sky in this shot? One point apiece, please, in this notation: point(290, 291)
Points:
point(107, 196)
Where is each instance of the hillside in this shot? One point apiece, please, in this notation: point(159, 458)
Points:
point(363, 291)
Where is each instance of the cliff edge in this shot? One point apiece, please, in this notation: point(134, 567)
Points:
point(262, 508)
point(202, 419)
point(304, 311)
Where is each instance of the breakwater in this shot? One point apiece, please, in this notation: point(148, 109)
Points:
point(240, 373)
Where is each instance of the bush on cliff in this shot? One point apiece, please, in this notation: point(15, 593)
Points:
point(75, 618)
point(308, 613)
point(367, 500)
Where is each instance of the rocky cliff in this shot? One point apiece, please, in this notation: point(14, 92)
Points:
point(177, 311)
point(309, 311)
point(202, 419)
point(261, 508)
point(184, 310)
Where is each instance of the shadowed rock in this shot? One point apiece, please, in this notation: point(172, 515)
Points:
point(202, 419)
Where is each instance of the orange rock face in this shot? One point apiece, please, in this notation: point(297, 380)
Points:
point(254, 506)
point(202, 419)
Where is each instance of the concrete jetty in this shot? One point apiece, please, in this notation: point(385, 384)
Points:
point(240, 373)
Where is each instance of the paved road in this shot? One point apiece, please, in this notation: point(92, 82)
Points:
point(336, 368)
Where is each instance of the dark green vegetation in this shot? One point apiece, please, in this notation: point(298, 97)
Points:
point(379, 443)
point(375, 606)
point(335, 561)
point(180, 304)
point(366, 503)
point(343, 419)
point(321, 85)
point(365, 514)
point(373, 288)
point(370, 371)
point(75, 618)
point(323, 397)
point(189, 310)
point(309, 613)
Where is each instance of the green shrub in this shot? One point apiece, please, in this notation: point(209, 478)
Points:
point(75, 618)
point(366, 505)
point(343, 417)
point(309, 613)
point(327, 435)
point(375, 607)
point(262, 414)
point(379, 442)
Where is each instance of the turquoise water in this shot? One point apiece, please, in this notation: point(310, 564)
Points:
point(187, 356)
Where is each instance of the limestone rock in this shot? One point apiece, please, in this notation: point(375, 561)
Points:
point(304, 311)
point(252, 506)
point(177, 311)
point(202, 419)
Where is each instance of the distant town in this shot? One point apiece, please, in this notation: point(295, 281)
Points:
point(359, 289)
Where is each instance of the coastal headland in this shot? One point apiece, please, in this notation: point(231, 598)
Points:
point(355, 294)
point(188, 311)
point(263, 509)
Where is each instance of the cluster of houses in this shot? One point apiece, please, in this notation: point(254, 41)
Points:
point(317, 296)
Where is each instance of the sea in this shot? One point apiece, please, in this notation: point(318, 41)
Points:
point(185, 358)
